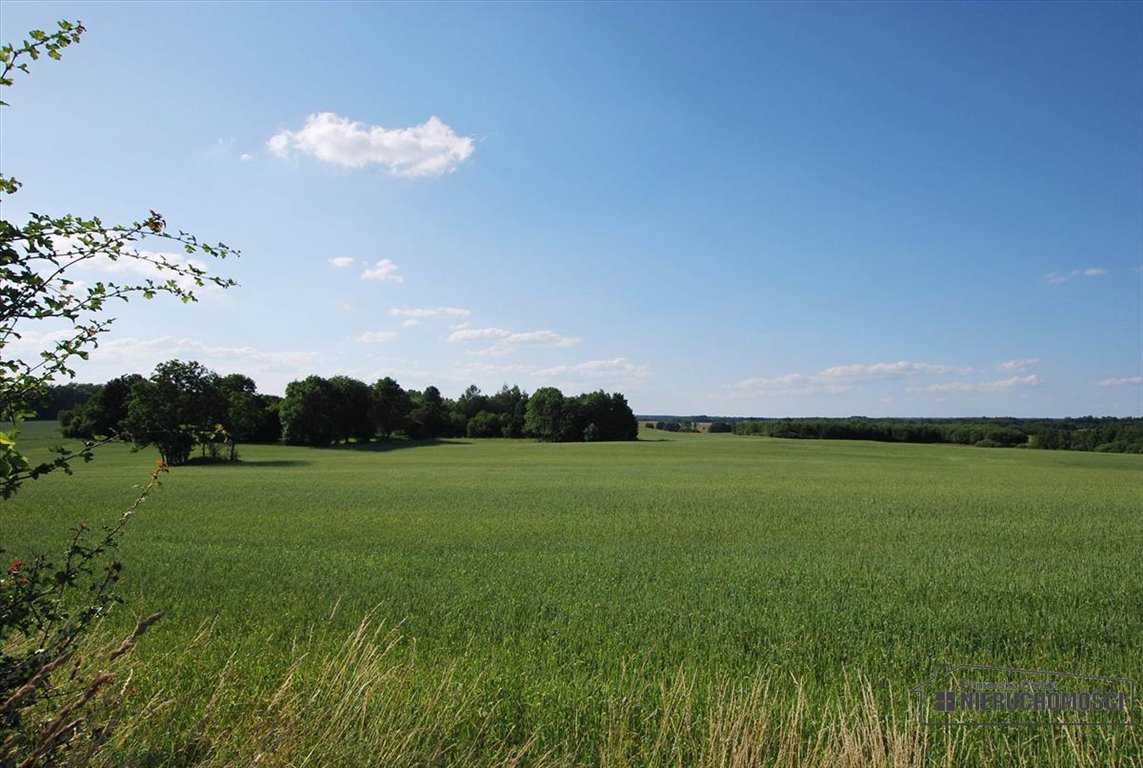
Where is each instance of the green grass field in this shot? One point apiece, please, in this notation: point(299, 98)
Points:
point(557, 588)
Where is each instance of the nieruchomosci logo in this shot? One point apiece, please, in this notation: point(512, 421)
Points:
point(978, 695)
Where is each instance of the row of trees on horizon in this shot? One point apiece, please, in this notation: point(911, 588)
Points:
point(184, 405)
point(1112, 435)
point(226, 410)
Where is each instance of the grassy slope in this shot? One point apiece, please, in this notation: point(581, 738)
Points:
point(552, 575)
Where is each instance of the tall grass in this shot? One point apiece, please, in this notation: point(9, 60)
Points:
point(369, 704)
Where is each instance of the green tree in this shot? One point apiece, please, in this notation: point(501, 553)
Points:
point(352, 404)
point(391, 406)
point(63, 397)
point(545, 414)
point(472, 402)
point(244, 410)
point(181, 405)
point(485, 424)
point(104, 413)
point(512, 402)
point(307, 412)
point(429, 416)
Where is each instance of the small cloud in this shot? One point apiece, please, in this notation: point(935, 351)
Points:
point(790, 384)
point(421, 314)
point(1056, 278)
point(341, 261)
point(506, 341)
point(411, 323)
point(615, 369)
point(375, 337)
point(1124, 381)
point(245, 156)
point(1030, 380)
point(615, 372)
point(429, 149)
point(1018, 365)
point(843, 378)
point(383, 270)
point(887, 370)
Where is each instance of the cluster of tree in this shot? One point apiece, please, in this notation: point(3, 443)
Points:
point(552, 417)
point(49, 402)
point(183, 405)
point(672, 425)
point(675, 424)
point(318, 411)
point(1088, 434)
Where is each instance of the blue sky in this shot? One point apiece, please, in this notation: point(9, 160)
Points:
point(740, 209)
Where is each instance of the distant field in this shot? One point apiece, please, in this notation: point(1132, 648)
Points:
point(556, 585)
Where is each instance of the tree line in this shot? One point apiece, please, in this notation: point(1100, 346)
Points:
point(183, 406)
point(1118, 435)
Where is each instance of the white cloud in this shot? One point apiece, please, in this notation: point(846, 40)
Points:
point(790, 384)
point(837, 380)
point(421, 314)
point(510, 337)
point(374, 337)
point(429, 149)
point(887, 370)
point(411, 323)
point(591, 374)
point(1030, 380)
point(341, 261)
point(592, 370)
point(1056, 278)
point(507, 341)
point(1018, 365)
point(840, 378)
point(1122, 381)
point(383, 270)
point(245, 156)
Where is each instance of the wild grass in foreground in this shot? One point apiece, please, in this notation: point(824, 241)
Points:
point(362, 705)
point(607, 604)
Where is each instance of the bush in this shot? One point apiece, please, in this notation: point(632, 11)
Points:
point(485, 424)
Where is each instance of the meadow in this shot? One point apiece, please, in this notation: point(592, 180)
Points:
point(686, 599)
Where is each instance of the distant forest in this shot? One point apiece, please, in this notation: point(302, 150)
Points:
point(1085, 433)
point(183, 405)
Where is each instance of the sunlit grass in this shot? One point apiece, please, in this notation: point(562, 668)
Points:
point(546, 583)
